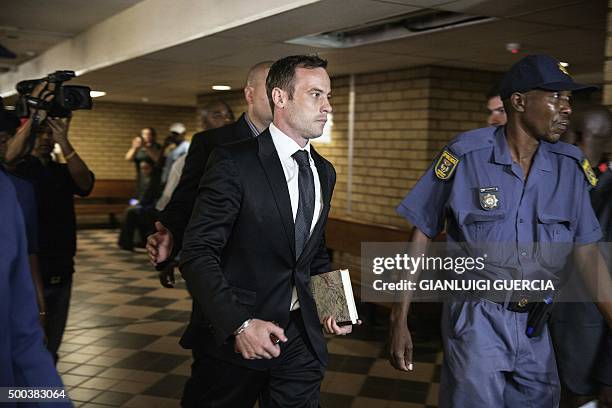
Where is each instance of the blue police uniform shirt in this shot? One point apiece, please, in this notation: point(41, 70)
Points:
point(24, 359)
point(529, 230)
point(27, 200)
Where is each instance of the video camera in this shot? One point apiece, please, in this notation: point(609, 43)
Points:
point(66, 97)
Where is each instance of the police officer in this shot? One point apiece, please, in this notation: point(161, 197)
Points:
point(24, 361)
point(513, 184)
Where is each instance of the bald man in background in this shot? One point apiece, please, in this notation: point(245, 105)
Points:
point(166, 242)
point(583, 342)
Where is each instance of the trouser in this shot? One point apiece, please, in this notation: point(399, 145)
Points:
point(582, 343)
point(490, 362)
point(57, 279)
point(293, 382)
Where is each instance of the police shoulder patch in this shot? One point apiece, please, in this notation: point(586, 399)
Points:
point(589, 173)
point(446, 165)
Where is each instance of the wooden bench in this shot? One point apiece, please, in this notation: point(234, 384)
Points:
point(108, 198)
point(345, 235)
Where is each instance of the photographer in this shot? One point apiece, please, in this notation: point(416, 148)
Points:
point(55, 185)
point(144, 147)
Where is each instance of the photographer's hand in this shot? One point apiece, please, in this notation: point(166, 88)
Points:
point(17, 146)
point(60, 126)
point(76, 166)
point(136, 144)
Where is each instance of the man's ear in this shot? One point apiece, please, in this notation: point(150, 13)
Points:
point(517, 101)
point(279, 97)
point(248, 94)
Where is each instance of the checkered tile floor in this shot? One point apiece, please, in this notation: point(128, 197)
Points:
point(121, 344)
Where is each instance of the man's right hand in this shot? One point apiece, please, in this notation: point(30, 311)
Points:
point(255, 341)
point(159, 244)
point(136, 142)
point(400, 346)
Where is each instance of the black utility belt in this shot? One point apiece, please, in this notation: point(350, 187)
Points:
point(516, 301)
point(538, 305)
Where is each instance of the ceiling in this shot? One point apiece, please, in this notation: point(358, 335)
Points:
point(573, 31)
point(29, 27)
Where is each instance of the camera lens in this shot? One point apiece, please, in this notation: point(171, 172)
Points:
point(72, 99)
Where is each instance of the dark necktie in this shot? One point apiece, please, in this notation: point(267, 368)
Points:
point(305, 211)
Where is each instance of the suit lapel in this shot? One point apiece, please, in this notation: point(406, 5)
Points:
point(278, 184)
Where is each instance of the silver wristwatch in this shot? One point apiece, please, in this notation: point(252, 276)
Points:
point(242, 327)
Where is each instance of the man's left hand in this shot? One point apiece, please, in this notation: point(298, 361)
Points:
point(331, 327)
point(166, 276)
point(59, 126)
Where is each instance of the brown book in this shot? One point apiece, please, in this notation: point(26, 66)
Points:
point(333, 294)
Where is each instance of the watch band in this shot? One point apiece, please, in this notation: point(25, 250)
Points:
point(242, 327)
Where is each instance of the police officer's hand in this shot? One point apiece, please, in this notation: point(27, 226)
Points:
point(400, 347)
point(166, 276)
point(255, 342)
point(159, 244)
point(605, 397)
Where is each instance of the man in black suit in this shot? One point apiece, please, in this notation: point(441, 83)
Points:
point(583, 341)
point(255, 237)
point(166, 242)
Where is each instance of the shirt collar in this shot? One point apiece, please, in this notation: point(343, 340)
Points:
point(252, 126)
point(501, 152)
point(285, 146)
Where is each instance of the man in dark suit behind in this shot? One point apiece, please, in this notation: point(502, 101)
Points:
point(583, 342)
point(255, 237)
point(166, 242)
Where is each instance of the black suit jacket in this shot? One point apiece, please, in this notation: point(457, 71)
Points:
point(583, 341)
point(238, 256)
point(177, 212)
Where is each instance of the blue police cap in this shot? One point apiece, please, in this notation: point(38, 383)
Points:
point(538, 72)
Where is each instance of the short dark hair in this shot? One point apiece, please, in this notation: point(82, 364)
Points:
point(282, 73)
point(153, 132)
point(493, 92)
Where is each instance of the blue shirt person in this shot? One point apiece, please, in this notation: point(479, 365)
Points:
point(27, 200)
point(506, 188)
point(24, 360)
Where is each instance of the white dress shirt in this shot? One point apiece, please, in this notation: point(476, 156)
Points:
point(285, 148)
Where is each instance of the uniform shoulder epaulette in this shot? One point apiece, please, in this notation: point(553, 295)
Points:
point(472, 140)
point(566, 149)
point(575, 153)
point(463, 143)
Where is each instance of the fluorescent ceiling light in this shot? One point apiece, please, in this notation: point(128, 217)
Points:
point(221, 87)
point(96, 94)
point(403, 26)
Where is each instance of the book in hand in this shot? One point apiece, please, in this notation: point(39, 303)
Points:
point(333, 294)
